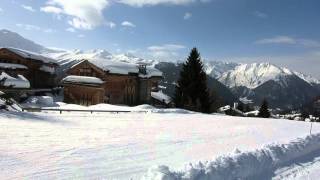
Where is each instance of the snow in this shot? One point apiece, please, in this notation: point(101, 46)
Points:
point(12, 66)
point(161, 97)
point(253, 113)
point(224, 108)
point(307, 168)
point(78, 55)
point(307, 78)
point(39, 101)
point(253, 75)
point(245, 100)
point(82, 79)
point(124, 68)
point(17, 82)
point(217, 68)
point(31, 55)
point(48, 69)
point(117, 64)
point(72, 145)
point(243, 165)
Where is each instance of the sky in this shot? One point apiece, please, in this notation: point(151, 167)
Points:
point(283, 32)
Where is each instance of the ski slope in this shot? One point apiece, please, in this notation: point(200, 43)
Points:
point(71, 145)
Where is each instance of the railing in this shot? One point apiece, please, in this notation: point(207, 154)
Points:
point(78, 110)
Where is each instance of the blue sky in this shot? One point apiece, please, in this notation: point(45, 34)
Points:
point(284, 32)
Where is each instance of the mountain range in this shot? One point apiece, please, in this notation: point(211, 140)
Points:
point(282, 87)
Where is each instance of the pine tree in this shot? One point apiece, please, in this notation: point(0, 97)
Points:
point(264, 111)
point(191, 90)
point(241, 107)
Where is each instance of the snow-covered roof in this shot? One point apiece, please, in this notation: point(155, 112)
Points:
point(16, 82)
point(256, 112)
point(161, 97)
point(31, 55)
point(224, 108)
point(12, 66)
point(47, 69)
point(124, 68)
point(82, 79)
point(245, 100)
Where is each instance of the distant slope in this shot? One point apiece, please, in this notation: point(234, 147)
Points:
point(12, 39)
point(282, 87)
point(288, 92)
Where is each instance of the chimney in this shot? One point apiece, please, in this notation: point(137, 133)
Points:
point(235, 105)
point(143, 69)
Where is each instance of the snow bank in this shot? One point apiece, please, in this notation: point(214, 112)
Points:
point(17, 82)
point(47, 69)
point(107, 107)
point(161, 97)
point(82, 79)
point(12, 66)
point(246, 165)
point(38, 101)
point(31, 55)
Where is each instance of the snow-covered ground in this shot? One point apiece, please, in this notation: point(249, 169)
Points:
point(70, 145)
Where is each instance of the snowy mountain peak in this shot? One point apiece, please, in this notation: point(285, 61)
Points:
point(255, 74)
point(12, 39)
point(99, 52)
point(5, 31)
point(215, 69)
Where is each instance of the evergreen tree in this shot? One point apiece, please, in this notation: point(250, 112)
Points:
point(264, 111)
point(241, 107)
point(191, 90)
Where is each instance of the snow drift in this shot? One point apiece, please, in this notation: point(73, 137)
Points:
point(242, 165)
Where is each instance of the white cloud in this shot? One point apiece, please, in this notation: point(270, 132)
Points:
point(1, 10)
point(128, 24)
point(166, 51)
point(82, 14)
point(28, 8)
point(30, 27)
point(88, 14)
point(166, 47)
point(260, 14)
point(187, 15)
point(111, 24)
point(70, 29)
point(309, 43)
point(141, 3)
point(277, 40)
point(81, 36)
point(289, 40)
point(51, 9)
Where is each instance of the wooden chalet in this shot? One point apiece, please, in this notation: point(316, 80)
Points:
point(97, 82)
point(37, 69)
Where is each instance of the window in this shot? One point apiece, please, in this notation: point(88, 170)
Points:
point(85, 72)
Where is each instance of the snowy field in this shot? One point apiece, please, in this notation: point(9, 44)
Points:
point(50, 145)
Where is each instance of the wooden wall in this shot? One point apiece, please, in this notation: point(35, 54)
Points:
point(118, 88)
point(37, 78)
point(83, 95)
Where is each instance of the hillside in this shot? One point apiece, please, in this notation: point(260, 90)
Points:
point(75, 145)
